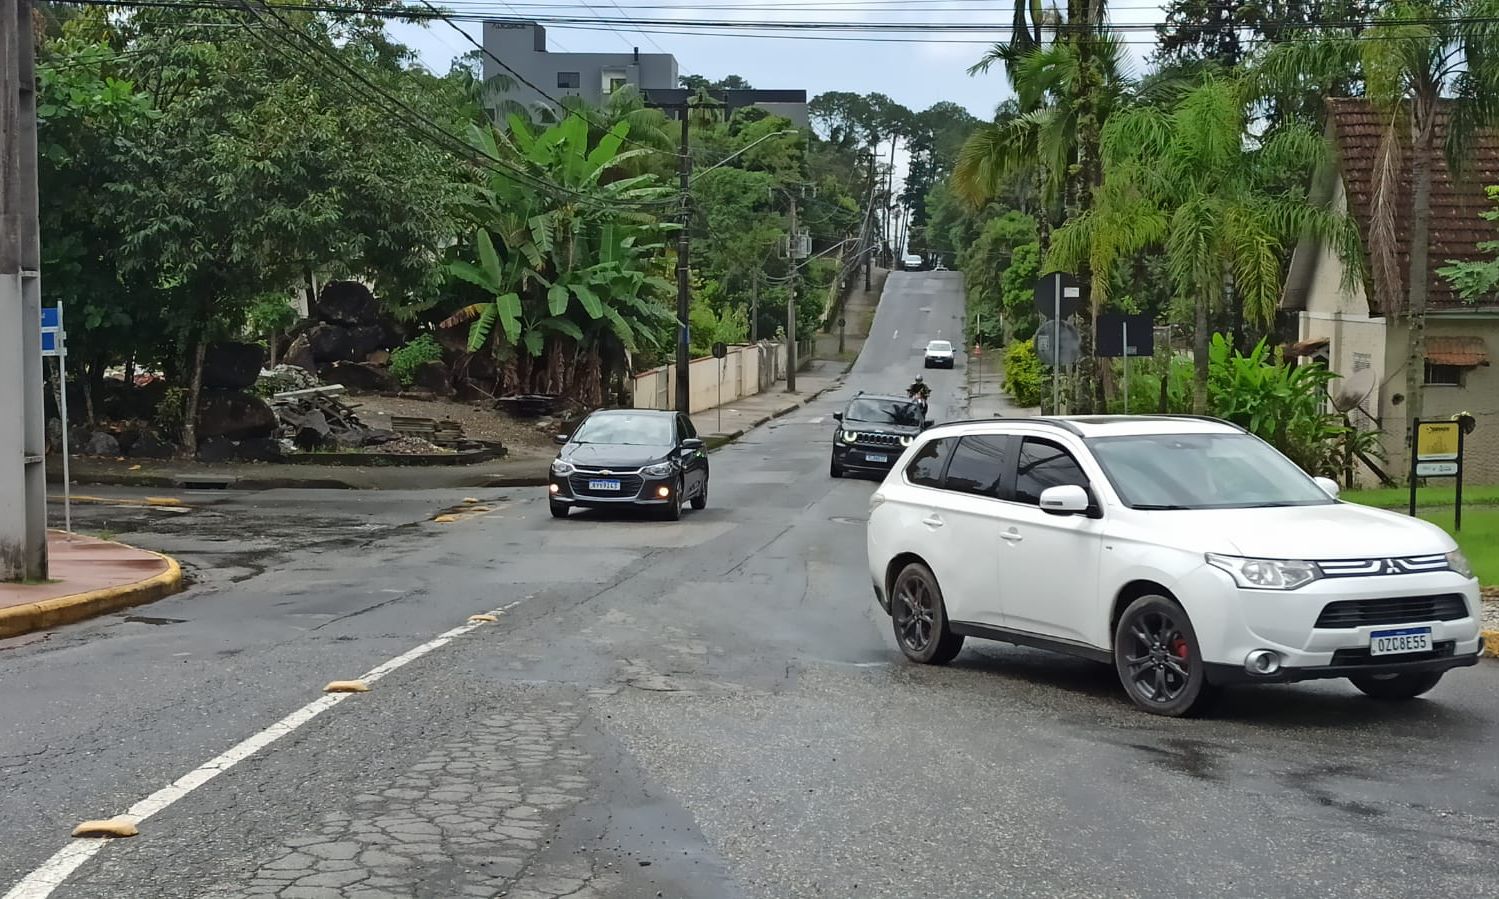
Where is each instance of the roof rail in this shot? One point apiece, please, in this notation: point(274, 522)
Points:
point(1208, 418)
point(1061, 423)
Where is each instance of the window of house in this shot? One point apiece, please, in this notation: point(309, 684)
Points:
point(978, 465)
point(1044, 464)
point(613, 81)
point(925, 469)
point(1444, 375)
point(570, 80)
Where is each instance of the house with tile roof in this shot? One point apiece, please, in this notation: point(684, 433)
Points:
point(1343, 325)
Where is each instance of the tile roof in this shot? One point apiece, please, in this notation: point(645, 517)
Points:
point(1457, 203)
point(1467, 352)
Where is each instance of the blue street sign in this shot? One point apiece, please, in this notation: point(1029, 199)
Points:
point(53, 337)
point(51, 318)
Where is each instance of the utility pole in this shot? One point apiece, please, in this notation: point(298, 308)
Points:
point(868, 247)
point(23, 482)
point(755, 306)
point(793, 248)
point(684, 274)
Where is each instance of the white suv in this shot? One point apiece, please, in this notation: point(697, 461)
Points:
point(1184, 551)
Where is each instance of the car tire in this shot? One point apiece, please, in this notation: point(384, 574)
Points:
point(1158, 659)
point(1397, 687)
point(673, 508)
point(920, 617)
point(559, 510)
point(700, 502)
point(834, 469)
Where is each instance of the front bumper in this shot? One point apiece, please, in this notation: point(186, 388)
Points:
point(1313, 642)
point(637, 490)
point(866, 457)
point(940, 361)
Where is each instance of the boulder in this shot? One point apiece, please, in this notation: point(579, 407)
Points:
point(232, 366)
point(258, 449)
point(433, 376)
point(378, 357)
point(235, 415)
point(148, 445)
point(329, 343)
point(359, 376)
point(285, 377)
point(366, 339)
point(309, 430)
point(215, 449)
point(299, 355)
point(100, 443)
point(347, 303)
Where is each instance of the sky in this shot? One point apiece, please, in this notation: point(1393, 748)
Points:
point(916, 74)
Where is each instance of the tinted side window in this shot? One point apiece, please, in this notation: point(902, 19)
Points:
point(685, 428)
point(1043, 464)
point(926, 466)
point(979, 465)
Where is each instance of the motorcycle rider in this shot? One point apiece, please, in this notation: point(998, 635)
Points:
point(920, 392)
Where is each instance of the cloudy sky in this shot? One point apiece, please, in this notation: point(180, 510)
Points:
point(917, 73)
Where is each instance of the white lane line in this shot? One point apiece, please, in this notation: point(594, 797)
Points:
point(815, 421)
point(40, 883)
point(896, 334)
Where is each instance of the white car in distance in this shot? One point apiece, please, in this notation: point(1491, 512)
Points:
point(940, 354)
point(1185, 552)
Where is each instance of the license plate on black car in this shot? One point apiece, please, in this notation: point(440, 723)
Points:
point(879, 459)
point(602, 486)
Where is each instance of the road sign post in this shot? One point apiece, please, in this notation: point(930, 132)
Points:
point(1437, 452)
point(720, 352)
point(55, 343)
point(1056, 296)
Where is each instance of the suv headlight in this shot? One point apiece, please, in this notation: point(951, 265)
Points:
point(1266, 574)
point(659, 470)
point(1459, 563)
point(561, 468)
point(848, 436)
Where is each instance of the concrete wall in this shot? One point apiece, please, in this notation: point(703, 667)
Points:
point(746, 371)
point(522, 47)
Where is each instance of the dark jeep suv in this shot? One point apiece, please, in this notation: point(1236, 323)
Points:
point(872, 433)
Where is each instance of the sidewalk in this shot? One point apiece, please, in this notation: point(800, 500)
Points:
point(515, 470)
point(88, 577)
point(987, 398)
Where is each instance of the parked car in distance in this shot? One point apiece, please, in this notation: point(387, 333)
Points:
point(873, 430)
point(911, 262)
point(630, 457)
point(940, 354)
point(1185, 552)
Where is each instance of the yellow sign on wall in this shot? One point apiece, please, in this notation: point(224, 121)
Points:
point(1436, 441)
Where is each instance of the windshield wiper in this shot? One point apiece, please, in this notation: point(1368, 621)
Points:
point(1159, 507)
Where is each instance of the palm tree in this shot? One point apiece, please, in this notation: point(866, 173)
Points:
point(1420, 59)
point(1193, 182)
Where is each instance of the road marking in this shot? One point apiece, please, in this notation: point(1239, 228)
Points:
point(40, 883)
point(816, 421)
point(896, 334)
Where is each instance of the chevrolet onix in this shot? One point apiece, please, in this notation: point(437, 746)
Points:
point(630, 457)
point(1185, 552)
point(872, 433)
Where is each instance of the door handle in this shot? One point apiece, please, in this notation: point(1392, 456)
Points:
point(932, 521)
point(1011, 536)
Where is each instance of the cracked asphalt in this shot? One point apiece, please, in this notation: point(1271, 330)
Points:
point(710, 708)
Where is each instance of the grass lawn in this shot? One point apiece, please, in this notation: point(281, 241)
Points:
point(1436, 497)
point(1479, 537)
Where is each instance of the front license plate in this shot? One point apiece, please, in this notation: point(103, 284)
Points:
point(604, 485)
point(1410, 639)
point(880, 459)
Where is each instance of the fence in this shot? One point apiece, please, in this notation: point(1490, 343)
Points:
point(747, 370)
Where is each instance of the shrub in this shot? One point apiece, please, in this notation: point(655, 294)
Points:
point(171, 413)
point(1025, 378)
point(405, 360)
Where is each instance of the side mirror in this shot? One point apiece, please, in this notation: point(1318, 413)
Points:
point(693, 443)
point(1328, 485)
point(1068, 499)
point(837, 416)
point(560, 439)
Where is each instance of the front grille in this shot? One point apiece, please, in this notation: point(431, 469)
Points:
point(877, 439)
point(1362, 656)
point(1349, 613)
point(629, 485)
point(1375, 567)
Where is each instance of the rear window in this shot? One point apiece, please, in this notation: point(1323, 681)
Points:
point(925, 468)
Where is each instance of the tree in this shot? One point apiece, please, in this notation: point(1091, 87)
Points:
point(1475, 281)
point(1421, 59)
point(1194, 182)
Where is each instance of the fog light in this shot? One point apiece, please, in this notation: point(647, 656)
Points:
point(663, 492)
point(1262, 661)
point(555, 488)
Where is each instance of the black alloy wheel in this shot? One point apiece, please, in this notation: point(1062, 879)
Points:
point(1158, 660)
point(920, 618)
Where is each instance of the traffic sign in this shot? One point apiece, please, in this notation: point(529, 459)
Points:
point(1059, 354)
point(1057, 295)
point(1436, 469)
point(1438, 453)
point(1437, 441)
point(720, 350)
point(1125, 335)
point(53, 339)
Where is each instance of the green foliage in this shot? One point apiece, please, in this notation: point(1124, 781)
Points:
point(270, 313)
point(1475, 281)
point(1284, 406)
point(171, 412)
point(1018, 286)
point(708, 327)
point(405, 360)
point(1025, 376)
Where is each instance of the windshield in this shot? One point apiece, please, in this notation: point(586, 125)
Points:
point(1203, 471)
point(939, 345)
point(630, 430)
point(884, 412)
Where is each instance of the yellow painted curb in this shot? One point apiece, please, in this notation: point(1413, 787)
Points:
point(85, 499)
point(60, 610)
point(1490, 644)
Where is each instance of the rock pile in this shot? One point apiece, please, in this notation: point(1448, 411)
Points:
point(347, 341)
point(233, 423)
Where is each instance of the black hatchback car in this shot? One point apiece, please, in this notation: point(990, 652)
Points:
point(630, 457)
point(872, 433)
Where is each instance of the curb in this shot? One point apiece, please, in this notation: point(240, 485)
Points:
point(1490, 644)
point(60, 610)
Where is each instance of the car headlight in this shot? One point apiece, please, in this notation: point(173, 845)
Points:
point(561, 468)
point(1459, 563)
point(905, 441)
point(1266, 574)
point(659, 470)
point(848, 436)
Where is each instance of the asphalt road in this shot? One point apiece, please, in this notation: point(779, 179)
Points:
point(711, 708)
